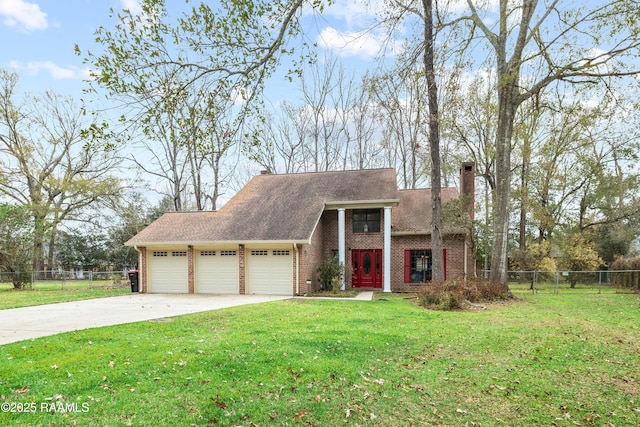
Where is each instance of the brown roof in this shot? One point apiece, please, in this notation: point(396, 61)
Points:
point(413, 213)
point(272, 208)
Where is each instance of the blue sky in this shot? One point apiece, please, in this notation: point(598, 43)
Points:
point(38, 37)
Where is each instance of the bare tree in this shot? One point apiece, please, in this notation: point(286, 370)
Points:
point(403, 117)
point(48, 165)
point(567, 43)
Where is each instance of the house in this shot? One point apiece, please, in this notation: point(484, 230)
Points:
point(271, 237)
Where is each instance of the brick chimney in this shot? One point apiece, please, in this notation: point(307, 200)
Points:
point(467, 185)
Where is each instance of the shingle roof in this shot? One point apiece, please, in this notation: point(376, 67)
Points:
point(272, 208)
point(413, 213)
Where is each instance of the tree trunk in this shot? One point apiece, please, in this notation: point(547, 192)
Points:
point(437, 273)
point(506, 113)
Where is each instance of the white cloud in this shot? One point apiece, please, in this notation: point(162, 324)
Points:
point(56, 72)
point(132, 5)
point(355, 14)
point(23, 15)
point(359, 43)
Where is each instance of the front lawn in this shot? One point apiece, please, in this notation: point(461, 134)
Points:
point(570, 359)
point(15, 298)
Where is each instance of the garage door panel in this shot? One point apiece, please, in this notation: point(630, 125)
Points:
point(217, 272)
point(168, 271)
point(270, 272)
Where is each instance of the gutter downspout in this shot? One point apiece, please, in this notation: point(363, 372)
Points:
point(466, 274)
point(295, 249)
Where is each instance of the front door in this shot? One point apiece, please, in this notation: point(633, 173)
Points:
point(366, 268)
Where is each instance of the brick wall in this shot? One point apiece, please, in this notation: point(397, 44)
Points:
point(142, 269)
point(241, 268)
point(454, 245)
point(190, 270)
point(311, 257)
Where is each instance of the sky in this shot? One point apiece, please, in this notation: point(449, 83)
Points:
point(38, 37)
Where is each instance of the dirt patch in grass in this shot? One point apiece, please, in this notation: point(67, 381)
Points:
point(350, 293)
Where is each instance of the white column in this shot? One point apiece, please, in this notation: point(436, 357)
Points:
point(341, 245)
point(386, 256)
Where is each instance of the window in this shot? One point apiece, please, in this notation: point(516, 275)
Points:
point(260, 253)
point(228, 253)
point(281, 253)
point(417, 265)
point(207, 253)
point(179, 253)
point(160, 253)
point(366, 220)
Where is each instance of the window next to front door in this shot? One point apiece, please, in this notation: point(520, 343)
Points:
point(366, 220)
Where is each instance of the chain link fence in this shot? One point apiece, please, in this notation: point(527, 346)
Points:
point(554, 282)
point(67, 279)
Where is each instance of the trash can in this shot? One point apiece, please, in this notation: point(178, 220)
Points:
point(133, 278)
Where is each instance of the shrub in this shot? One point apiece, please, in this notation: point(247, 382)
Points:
point(453, 295)
point(329, 273)
point(626, 273)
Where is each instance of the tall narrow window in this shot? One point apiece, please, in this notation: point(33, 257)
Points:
point(366, 263)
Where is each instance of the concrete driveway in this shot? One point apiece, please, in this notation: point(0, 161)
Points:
point(19, 324)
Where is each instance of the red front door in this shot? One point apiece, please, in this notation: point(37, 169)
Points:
point(366, 268)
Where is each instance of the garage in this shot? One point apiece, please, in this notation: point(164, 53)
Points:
point(168, 272)
point(217, 272)
point(270, 272)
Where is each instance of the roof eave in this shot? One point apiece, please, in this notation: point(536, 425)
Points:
point(360, 204)
point(218, 242)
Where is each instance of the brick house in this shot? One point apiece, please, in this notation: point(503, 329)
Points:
point(271, 237)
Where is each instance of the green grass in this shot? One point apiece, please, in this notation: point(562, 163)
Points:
point(12, 298)
point(571, 359)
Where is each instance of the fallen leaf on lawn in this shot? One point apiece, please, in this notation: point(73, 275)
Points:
point(54, 366)
point(112, 363)
point(379, 382)
point(23, 390)
point(219, 403)
point(461, 411)
point(300, 414)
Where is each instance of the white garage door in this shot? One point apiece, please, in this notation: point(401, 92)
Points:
point(270, 272)
point(217, 272)
point(168, 272)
